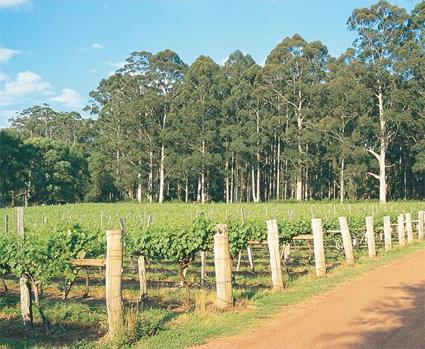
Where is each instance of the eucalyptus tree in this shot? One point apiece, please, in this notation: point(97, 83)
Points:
point(294, 73)
point(156, 76)
point(110, 101)
point(417, 85)
point(43, 121)
point(347, 99)
point(241, 127)
point(195, 122)
point(382, 32)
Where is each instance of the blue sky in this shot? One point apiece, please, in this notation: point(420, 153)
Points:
point(56, 51)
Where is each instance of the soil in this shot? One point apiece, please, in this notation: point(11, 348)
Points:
point(384, 308)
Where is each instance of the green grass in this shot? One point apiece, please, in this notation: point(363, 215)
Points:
point(44, 219)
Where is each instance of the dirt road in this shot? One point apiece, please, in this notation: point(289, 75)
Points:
point(384, 308)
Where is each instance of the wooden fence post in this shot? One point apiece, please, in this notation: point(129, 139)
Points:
point(203, 267)
point(400, 230)
point(370, 235)
point(114, 253)
point(319, 250)
point(409, 228)
point(24, 283)
point(421, 218)
point(223, 267)
point(346, 240)
point(141, 268)
point(20, 221)
point(387, 233)
point(273, 243)
point(250, 257)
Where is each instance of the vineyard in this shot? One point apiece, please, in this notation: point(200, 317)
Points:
point(176, 243)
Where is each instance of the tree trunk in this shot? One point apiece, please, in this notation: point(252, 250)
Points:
point(161, 175)
point(227, 182)
point(150, 177)
point(139, 187)
point(383, 146)
point(341, 181)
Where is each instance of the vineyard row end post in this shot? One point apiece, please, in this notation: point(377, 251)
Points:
point(387, 233)
point(223, 267)
point(319, 250)
point(273, 244)
point(409, 228)
point(401, 230)
point(24, 283)
point(114, 258)
point(370, 236)
point(346, 240)
point(421, 219)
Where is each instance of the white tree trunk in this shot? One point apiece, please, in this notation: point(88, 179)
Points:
point(150, 177)
point(253, 191)
point(139, 188)
point(341, 182)
point(381, 157)
point(161, 175)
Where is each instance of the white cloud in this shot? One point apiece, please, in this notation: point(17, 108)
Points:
point(12, 3)
point(7, 53)
point(3, 76)
point(69, 97)
point(97, 46)
point(25, 83)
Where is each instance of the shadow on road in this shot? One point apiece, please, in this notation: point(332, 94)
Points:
point(402, 327)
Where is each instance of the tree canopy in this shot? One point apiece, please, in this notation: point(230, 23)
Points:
point(304, 126)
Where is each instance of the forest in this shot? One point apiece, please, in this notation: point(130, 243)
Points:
point(303, 126)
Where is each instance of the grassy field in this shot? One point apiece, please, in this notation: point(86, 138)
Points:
point(173, 316)
point(106, 216)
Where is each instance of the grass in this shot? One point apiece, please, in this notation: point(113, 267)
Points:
point(44, 219)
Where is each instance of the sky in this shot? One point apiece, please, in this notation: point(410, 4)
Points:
point(57, 51)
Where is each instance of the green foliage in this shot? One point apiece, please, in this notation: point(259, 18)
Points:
point(176, 244)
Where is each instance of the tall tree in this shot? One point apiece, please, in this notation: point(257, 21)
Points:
point(382, 31)
point(295, 71)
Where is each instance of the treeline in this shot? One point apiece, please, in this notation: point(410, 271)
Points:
point(303, 126)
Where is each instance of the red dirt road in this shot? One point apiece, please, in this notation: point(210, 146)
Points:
point(384, 308)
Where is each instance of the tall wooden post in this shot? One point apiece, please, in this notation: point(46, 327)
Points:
point(273, 243)
point(250, 257)
point(113, 281)
point(203, 266)
point(346, 240)
point(421, 218)
point(409, 228)
point(24, 282)
point(141, 267)
point(319, 250)
point(20, 221)
point(400, 230)
point(387, 233)
point(223, 267)
point(370, 235)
